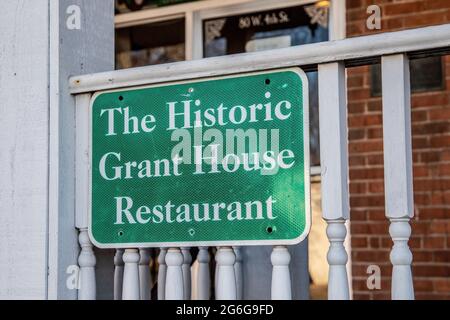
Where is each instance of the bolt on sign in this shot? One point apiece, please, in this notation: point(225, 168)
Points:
point(215, 161)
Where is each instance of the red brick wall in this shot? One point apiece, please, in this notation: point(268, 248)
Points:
point(430, 240)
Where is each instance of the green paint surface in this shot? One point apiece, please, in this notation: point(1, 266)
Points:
point(287, 188)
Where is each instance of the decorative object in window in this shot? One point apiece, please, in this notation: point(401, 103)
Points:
point(213, 29)
point(134, 46)
point(318, 13)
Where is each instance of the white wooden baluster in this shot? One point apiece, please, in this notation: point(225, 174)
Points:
point(145, 277)
point(174, 275)
point(187, 259)
point(337, 259)
point(131, 275)
point(398, 169)
point(86, 261)
point(238, 273)
point(334, 171)
point(162, 270)
point(118, 274)
point(216, 269)
point(226, 281)
point(281, 277)
point(402, 287)
point(203, 278)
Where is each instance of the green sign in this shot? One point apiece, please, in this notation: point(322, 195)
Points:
point(216, 161)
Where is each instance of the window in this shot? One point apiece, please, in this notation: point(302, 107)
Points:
point(425, 73)
point(135, 48)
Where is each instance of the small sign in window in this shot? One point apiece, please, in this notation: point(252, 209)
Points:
point(271, 29)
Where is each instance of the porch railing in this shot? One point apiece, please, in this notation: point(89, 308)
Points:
point(330, 59)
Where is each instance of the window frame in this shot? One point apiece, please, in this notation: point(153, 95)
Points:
point(195, 12)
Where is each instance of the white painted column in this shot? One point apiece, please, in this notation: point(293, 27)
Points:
point(131, 275)
point(145, 277)
point(281, 277)
point(162, 270)
point(174, 276)
point(73, 49)
point(398, 177)
point(25, 270)
point(226, 281)
point(194, 45)
point(203, 284)
point(86, 261)
point(118, 274)
point(334, 172)
point(238, 273)
point(186, 267)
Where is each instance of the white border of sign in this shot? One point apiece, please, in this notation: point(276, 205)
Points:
point(306, 148)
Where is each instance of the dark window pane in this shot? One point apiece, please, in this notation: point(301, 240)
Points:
point(148, 44)
point(124, 6)
point(314, 118)
point(426, 74)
